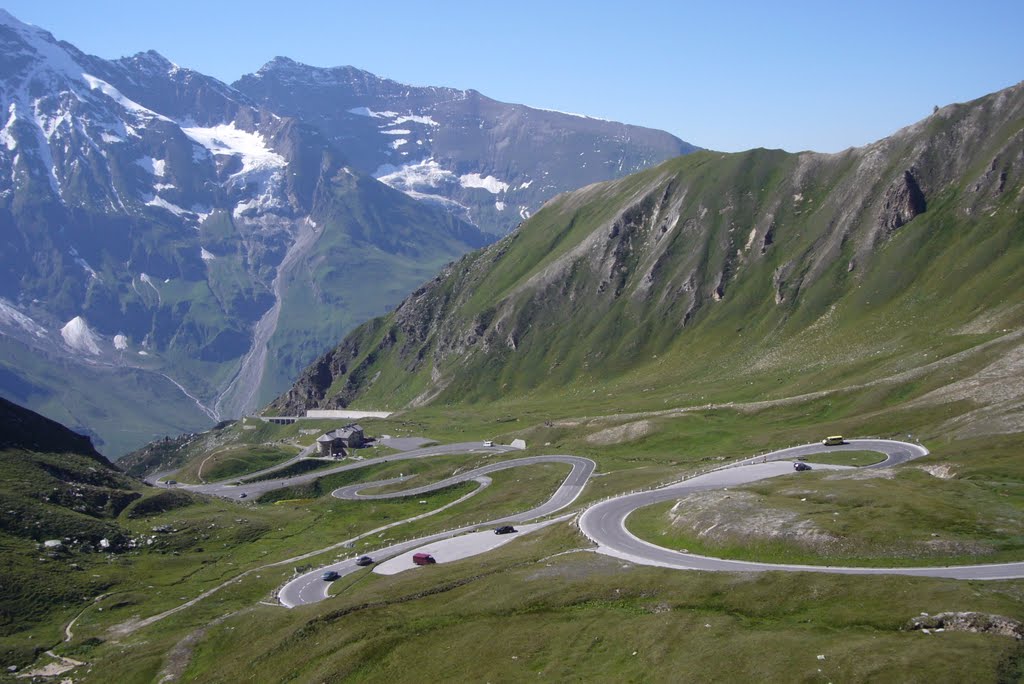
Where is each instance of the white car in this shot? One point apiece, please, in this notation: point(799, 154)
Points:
point(488, 442)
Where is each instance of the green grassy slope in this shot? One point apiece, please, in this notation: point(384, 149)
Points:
point(736, 276)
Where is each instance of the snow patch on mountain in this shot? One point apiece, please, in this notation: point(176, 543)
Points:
point(414, 177)
point(578, 116)
point(366, 111)
point(456, 208)
point(9, 315)
point(115, 95)
point(157, 201)
point(79, 336)
point(156, 167)
point(206, 256)
point(120, 342)
point(265, 202)
point(500, 206)
point(229, 140)
point(398, 131)
point(5, 135)
point(395, 144)
point(488, 183)
point(397, 119)
point(414, 118)
point(262, 168)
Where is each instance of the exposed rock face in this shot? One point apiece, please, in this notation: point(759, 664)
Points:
point(977, 623)
point(903, 201)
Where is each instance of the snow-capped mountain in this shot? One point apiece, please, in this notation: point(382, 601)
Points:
point(157, 222)
point(175, 250)
point(490, 162)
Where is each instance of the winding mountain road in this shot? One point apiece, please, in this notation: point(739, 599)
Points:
point(228, 489)
point(311, 588)
point(605, 522)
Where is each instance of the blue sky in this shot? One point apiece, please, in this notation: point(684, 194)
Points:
point(728, 76)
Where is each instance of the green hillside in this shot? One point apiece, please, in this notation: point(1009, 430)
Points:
point(721, 277)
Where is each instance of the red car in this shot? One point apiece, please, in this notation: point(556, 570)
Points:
point(423, 559)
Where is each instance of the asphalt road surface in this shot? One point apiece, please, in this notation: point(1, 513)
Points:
point(605, 522)
point(456, 548)
point(310, 587)
point(229, 490)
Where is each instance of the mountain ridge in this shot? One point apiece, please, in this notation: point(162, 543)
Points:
point(490, 162)
point(691, 258)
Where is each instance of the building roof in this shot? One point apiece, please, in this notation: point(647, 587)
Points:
point(340, 433)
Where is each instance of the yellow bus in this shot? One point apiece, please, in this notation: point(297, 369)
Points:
point(833, 440)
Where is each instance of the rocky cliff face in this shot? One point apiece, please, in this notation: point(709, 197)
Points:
point(713, 262)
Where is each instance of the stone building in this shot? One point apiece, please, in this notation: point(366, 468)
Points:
point(336, 442)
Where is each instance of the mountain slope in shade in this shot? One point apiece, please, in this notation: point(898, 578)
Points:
point(769, 272)
point(491, 163)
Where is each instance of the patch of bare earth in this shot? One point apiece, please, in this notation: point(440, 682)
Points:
point(58, 666)
point(943, 471)
point(620, 434)
point(738, 517)
point(733, 516)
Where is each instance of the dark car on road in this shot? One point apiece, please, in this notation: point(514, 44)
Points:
point(505, 529)
point(242, 495)
point(364, 560)
point(801, 466)
point(330, 576)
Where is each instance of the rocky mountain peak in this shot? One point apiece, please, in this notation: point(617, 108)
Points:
point(151, 62)
point(487, 162)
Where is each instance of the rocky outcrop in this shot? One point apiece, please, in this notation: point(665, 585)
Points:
point(976, 623)
point(903, 201)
